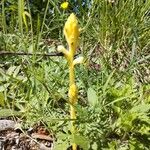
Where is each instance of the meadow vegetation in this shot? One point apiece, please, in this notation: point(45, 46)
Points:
point(113, 109)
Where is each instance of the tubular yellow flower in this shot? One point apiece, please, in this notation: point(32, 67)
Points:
point(71, 32)
point(64, 5)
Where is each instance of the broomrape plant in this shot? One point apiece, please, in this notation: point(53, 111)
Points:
point(71, 32)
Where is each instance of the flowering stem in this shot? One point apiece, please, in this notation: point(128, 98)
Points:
point(72, 98)
point(71, 31)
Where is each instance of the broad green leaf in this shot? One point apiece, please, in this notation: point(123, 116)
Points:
point(16, 71)
point(141, 108)
point(92, 97)
point(108, 81)
point(31, 48)
point(81, 141)
point(7, 113)
point(62, 146)
point(11, 70)
point(62, 142)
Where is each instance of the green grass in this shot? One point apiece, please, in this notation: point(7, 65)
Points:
point(114, 99)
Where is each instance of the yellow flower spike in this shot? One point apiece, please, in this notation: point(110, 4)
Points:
point(71, 31)
point(64, 5)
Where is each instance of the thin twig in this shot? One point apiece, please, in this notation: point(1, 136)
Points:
point(7, 53)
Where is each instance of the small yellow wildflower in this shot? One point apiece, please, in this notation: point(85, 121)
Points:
point(64, 5)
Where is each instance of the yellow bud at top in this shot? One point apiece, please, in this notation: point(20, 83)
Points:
point(71, 31)
point(64, 5)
